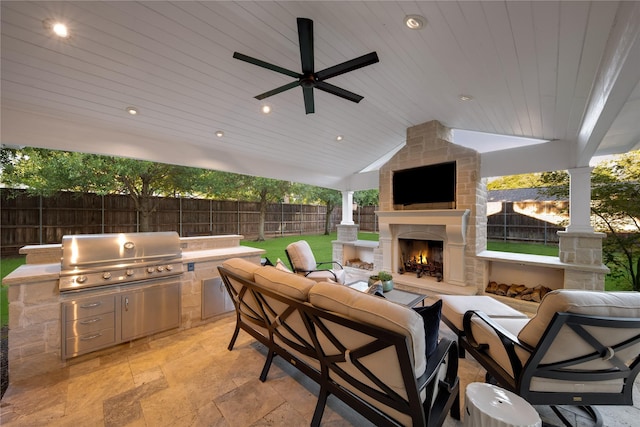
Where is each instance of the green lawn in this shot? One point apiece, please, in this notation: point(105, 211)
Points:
point(320, 245)
point(7, 265)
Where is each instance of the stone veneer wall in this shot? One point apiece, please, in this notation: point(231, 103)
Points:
point(430, 143)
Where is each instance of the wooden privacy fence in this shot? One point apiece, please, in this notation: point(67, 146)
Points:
point(511, 226)
point(29, 220)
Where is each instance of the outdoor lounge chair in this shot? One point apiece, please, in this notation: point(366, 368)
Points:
point(304, 262)
point(582, 348)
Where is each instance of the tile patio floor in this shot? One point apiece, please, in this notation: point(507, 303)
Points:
point(191, 379)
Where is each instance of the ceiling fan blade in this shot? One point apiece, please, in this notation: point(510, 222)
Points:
point(309, 106)
point(345, 67)
point(305, 38)
point(263, 64)
point(335, 90)
point(277, 90)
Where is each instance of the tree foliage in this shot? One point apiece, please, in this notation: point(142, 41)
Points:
point(45, 172)
point(615, 192)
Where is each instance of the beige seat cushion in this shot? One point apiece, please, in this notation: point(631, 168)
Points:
point(374, 311)
point(611, 304)
point(292, 285)
point(455, 306)
point(328, 276)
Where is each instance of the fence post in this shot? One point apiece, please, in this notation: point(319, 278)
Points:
point(210, 216)
point(504, 221)
point(102, 213)
point(180, 214)
point(238, 215)
point(40, 219)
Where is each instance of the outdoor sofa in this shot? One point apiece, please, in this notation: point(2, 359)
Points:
point(375, 355)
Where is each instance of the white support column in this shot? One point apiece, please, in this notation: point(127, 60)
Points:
point(347, 208)
point(580, 200)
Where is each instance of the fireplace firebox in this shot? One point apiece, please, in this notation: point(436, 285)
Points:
point(424, 258)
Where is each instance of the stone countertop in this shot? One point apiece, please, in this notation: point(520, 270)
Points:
point(32, 272)
point(220, 253)
point(51, 271)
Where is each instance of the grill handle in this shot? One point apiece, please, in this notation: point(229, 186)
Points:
point(121, 260)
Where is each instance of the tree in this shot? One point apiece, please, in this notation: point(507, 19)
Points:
point(367, 197)
point(45, 172)
point(328, 197)
point(615, 191)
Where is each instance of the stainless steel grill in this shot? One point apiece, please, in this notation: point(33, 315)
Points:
point(91, 260)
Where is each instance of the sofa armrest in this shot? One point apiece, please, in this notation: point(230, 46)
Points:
point(508, 340)
point(441, 389)
point(332, 263)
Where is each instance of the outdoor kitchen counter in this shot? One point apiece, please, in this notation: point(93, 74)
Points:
point(35, 300)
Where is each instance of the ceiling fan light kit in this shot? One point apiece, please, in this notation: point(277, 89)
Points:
point(309, 79)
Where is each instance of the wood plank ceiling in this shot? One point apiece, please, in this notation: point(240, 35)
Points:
point(534, 69)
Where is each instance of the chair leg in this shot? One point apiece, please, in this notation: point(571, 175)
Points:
point(267, 365)
point(593, 413)
point(322, 401)
point(234, 337)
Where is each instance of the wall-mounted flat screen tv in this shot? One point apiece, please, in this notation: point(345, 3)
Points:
point(425, 187)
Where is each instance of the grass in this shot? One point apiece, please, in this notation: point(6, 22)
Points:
point(523, 248)
point(320, 245)
point(7, 265)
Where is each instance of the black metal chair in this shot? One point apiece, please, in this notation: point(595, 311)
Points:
point(304, 262)
point(581, 349)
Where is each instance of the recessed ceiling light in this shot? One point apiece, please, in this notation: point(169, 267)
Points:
point(58, 28)
point(266, 109)
point(414, 22)
point(132, 110)
point(465, 98)
point(339, 138)
point(219, 134)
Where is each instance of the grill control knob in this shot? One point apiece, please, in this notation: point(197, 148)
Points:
point(81, 279)
point(150, 269)
point(129, 272)
point(106, 275)
point(160, 268)
point(169, 267)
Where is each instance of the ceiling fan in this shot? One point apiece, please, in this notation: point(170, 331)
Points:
point(309, 79)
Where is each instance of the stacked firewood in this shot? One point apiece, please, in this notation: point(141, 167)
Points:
point(521, 292)
point(358, 263)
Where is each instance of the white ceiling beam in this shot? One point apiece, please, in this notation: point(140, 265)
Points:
point(549, 156)
point(618, 75)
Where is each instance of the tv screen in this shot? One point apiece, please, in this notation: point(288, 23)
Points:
point(425, 187)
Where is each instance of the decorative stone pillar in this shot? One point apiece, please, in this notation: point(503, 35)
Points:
point(584, 250)
point(346, 233)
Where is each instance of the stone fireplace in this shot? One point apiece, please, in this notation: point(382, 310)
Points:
point(453, 229)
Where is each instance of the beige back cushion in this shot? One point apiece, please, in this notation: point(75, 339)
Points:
point(374, 311)
point(292, 285)
point(241, 267)
point(301, 256)
point(610, 304)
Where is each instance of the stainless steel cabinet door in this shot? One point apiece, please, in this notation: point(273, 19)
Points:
point(150, 310)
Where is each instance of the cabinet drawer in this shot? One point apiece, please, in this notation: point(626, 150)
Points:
point(81, 308)
point(90, 324)
point(90, 341)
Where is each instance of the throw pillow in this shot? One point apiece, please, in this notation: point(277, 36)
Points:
point(281, 266)
point(431, 317)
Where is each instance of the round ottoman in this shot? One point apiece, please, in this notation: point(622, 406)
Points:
point(489, 406)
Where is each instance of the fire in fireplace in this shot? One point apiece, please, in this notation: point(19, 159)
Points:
point(424, 258)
